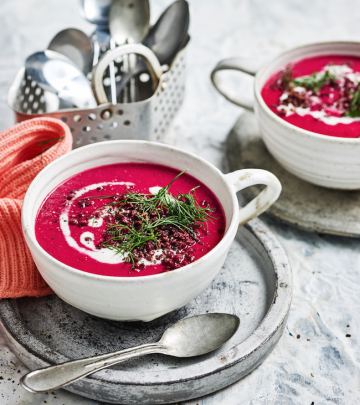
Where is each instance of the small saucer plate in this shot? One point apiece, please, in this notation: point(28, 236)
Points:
point(301, 204)
point(255, 283)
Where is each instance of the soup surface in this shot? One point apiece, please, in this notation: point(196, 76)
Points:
point(121, 220)
point(320, 94)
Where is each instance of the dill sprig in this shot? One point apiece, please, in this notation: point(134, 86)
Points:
point(286, 76)
point(181, 211)
point(354, 109)
point(313, 82)
point(46, 142)
point(126, 243)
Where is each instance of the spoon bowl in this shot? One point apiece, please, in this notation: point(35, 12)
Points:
point(57, 74)
point(95, 11)
point(129, 24)
point(76, 45)
point(166, 38)
point(189, 337)
point(199, 334)
point(129, 20)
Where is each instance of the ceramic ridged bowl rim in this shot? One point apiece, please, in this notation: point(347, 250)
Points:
point(28, 229)
point(287, 125)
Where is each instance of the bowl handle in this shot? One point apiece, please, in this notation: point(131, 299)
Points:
point(149, 57)
point(249, 177)
point(244, 65)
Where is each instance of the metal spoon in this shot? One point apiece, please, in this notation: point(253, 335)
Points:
point(96, 12)
point(76, 45)
point(141, 68)
point(167, 35)
point(56, 73)
point(166, 38)
point(190, 337)
point(129, 24)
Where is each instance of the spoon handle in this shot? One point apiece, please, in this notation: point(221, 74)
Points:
point(126, 77)
point(54, 377)
point(112, 75)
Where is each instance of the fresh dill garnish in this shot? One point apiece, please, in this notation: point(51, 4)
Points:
point(354, 109)
point(46, 142)
point(286, 77)
point(150, 213)
point(313, 82)
point(343, 98)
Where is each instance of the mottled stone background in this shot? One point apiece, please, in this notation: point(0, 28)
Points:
point(322, 366)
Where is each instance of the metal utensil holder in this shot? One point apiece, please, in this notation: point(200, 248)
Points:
point(147, 120)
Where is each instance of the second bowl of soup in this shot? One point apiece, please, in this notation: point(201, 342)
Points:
point(307, 102)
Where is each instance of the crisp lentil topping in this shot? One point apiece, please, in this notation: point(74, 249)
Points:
point(320, 94)
point(132, 223)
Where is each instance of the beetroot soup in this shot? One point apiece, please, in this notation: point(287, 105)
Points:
point(320, 94)
point(130, 219)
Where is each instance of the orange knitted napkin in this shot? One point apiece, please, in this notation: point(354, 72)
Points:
point(25, 150)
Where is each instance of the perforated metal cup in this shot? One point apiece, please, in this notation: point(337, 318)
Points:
point(148, 119)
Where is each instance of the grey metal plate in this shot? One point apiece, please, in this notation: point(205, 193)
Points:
point(301, 204)
point(255, 283)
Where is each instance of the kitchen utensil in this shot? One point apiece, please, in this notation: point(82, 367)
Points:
point(102, 38)
point(165, 38)
point(98, 71)
point(255, 284)
point(57, 74)
point(189, 337)
point(141, 68)
point(148, 120)
point(129, 20)
point(112, 74)
point(96, 12)
point(76, 45)
point(129, 24)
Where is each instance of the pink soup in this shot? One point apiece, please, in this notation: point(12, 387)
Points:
point(89, 221)
point(319, 94)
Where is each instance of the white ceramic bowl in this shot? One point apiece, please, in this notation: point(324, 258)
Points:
point(149, 297)
point(319, 159)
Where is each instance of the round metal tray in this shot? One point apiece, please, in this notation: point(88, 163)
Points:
point(255, 283)
point(301, 204)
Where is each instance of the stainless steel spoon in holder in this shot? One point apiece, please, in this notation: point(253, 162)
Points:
point(147, 120)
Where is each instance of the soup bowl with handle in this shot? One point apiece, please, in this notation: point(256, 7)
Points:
point(148, 297)
point(323, 160)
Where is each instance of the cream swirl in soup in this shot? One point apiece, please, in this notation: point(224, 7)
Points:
point(130, 219)
point(319, 94)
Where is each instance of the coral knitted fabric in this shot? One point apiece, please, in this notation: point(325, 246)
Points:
point(25, 150)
